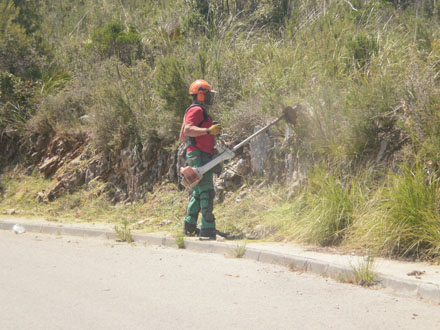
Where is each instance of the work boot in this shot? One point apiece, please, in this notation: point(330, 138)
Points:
point(190, 229)
point(208, 233)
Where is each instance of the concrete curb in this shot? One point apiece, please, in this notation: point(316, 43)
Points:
point(428, 291)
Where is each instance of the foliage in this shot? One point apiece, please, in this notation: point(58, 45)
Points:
point(180, 240)
point(240, 250)
point(123, 233)
point(403, 219)
point(29, 17)
point(113, 39)
point(17, 106)
point(362, 47)
point(362, 273)
point(172, 84)
point(60, 112)
point(17, 54)
point(329, 206)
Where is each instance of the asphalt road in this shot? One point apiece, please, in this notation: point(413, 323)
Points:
point(49, 282)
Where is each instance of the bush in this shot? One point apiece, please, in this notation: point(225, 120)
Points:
point(126, 111)
point(17, 54)
point(114, 40)
point(61, 112)
point(361, 48)
point(172, 85)
point(17, 105)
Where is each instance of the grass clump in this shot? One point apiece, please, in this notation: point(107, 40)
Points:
point(180, 240)
point(123, 233)
point(362, 273)
point(327, 208)
point(239, 250)
point(402, 219)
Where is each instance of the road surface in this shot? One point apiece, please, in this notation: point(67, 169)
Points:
point(51, 282)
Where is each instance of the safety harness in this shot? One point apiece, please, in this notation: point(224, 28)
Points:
point(191, 141)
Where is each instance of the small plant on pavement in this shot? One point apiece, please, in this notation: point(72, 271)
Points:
point(363, 273)
point(180, 240)
point(240, 250)
point(123, 233)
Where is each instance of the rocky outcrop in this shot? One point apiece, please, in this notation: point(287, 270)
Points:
point(132, 172)
point(60, 150)
point(129, 174)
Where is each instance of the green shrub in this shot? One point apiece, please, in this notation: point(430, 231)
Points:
point(54, 79)
point(126, 111)
point(29, 16)
point(60, 112)
point(17, 53)
point(172, 84)
point(361, 48)
point(114, 40)
point(17, 105)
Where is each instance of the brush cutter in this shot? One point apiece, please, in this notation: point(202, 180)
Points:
point(192, 175)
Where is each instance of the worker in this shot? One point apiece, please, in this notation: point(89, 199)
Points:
point(198, 131)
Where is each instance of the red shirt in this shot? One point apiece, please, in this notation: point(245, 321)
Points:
point(205, 143)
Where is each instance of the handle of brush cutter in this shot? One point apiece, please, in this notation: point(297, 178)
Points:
point(265, 128)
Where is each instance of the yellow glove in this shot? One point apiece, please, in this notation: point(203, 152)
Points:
point(215, 129)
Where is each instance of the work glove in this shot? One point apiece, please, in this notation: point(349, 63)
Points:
point(215, 129)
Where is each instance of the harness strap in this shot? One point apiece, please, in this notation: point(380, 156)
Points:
point(191, 141)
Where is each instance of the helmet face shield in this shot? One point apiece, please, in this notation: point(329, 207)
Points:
point(201, 90)
point(209, 98)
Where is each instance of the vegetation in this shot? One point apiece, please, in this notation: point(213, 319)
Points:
point(365, 71)
point(239, 250)
point(123, 233)
point(362, 273)
point(180, 240)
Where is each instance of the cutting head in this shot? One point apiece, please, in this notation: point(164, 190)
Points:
point(290, 114)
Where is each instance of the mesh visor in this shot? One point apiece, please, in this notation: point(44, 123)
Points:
point(209, 97)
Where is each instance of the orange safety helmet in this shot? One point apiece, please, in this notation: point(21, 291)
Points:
point(202, 89)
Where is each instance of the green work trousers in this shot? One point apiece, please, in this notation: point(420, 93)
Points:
point(203, 194)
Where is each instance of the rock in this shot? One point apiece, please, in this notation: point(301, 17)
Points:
point(241, 167)
point(142, 222)
point(416, 273)
point(12, 212)
point(165, 222)
point(49, 166)
point(41, 197)
point(259, 150)
point(258, 232)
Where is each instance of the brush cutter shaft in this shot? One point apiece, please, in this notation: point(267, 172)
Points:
point(225, 155)
point(242, 143)
point(229, 154)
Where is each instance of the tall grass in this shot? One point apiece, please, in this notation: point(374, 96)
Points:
point(329, 205)
point(402, 218)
